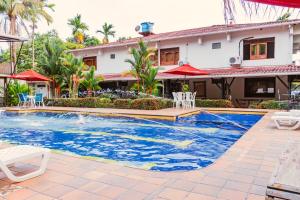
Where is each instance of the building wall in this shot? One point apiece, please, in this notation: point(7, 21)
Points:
point(201, 54)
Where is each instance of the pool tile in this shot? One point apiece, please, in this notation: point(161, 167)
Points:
point(173, 194)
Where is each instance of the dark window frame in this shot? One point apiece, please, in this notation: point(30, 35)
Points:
point(249, 94)
point(270, 48)
point(172, 50)
point(112, 56)
point(90, 58)
point(205, 90)
point(216, 45)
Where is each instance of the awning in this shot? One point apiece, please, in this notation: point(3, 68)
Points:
point(30, 75)
point(257, 71)
point(283, 3)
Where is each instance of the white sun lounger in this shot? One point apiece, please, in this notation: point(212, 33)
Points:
point(286, 122)
point(11, 155)
point(290, 113)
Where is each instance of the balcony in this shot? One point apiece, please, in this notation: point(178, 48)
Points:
point(6, 68)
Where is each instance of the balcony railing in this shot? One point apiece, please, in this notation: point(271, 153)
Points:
point(5, 68)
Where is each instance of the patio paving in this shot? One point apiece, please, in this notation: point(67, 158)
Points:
point(241, 173)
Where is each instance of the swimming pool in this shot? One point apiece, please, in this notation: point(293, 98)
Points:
point(188, 143)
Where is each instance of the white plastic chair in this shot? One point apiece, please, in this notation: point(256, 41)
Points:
point(188, 100)
point(11, 155)
point(181, 98)
point(194, 99)
point(175, 99)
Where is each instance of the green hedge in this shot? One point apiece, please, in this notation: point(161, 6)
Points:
point(271, 104)
point(214, 103)
point(93, 102)
point(80, 102)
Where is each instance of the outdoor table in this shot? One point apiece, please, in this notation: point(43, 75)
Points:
point(31, 100)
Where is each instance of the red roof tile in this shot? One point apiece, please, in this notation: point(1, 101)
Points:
point(222, 72)
point(193, 33)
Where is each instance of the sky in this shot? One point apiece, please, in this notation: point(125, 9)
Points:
point(125, 15)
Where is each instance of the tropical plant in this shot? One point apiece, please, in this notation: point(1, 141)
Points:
point(78, 28)
point(185, 88)
point(106, 31)
point(90, 82)
point(13, 89)
point(73, 73)
point(52, 64)
point(284, 17)
point(150, 83)
point(91, 41)
point(141, 63)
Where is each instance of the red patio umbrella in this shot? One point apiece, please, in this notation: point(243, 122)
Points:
point(30, 75)
point(187, 70)
point(283, 3)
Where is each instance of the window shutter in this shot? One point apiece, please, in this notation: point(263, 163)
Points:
point(270, 50)
point(246, 52)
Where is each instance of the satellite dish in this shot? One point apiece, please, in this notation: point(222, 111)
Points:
point(137, 28)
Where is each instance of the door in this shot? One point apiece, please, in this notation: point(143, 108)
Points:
point(200, 88)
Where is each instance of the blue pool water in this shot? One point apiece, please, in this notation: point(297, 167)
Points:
point(188, 143)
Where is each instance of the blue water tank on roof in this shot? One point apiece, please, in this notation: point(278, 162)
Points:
point(147, 27)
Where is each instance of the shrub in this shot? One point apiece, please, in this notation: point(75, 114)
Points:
point(214, 103)
point(150, 104)
point(122, 103)
point(80, 102)
point(272, 104)
point(93, 102)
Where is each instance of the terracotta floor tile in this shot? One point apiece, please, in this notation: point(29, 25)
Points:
point(206, 190)
point(256, 197)
point(132, 195)
point(182, 185)
point(20, 194)
point(76, 182)
point(194, 196)
point(173, 194)
point(208, 180)
point(243, 187)
point(232, 194)
point(111, 191)
point(93, 186)
point(146, 187)
point(93, 175)
point(81, 195)
point(58, 191)
point(40, 197)
point(259, 190)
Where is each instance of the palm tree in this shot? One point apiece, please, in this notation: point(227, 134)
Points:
point(91, 82)
point(52, 64)
point(73, 73)
point(78, 28)
point(38, 12)
point(13, 12)
point(141, 62)
point(106, 32)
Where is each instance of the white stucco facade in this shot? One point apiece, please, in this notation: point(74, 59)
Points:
point(199, 53)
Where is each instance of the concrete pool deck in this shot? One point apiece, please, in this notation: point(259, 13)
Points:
point(240, 173)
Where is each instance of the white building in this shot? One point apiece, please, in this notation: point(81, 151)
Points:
point(250, 62)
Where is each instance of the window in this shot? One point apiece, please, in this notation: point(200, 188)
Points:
point(259, 49)
point(154, 58)
point(90, 61)
point(112, 56)
point(169, 56)
point(200, 88)
point(260, 87)
point(216, 45)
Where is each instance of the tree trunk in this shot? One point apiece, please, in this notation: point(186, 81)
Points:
point(13, 31)
point(33, 56)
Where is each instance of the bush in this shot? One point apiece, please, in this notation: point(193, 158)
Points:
point(80, 102)
point(93, 102)
point(271, 104)
point(214, 103)
point(122, 103)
